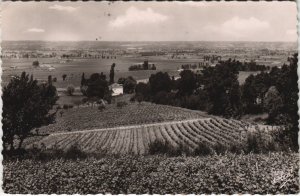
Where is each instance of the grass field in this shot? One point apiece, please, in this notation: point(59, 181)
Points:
point(274, 173)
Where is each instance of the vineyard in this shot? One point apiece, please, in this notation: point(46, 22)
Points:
point(274, 173)
point(83, 118)
point(137, 138)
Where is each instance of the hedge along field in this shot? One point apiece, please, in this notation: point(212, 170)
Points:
point(273, 173)
point(138, 138)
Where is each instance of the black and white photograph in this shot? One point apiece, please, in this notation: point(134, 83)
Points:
point(136, 97)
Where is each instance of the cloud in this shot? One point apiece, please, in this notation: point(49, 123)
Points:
point(193, 3)
point(239, 28)
point(36, 30)
point(136, 16)
point(63, 8)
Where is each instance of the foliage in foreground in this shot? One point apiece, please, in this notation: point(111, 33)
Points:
point(253, 143)
point(230, 173)
point(26, 106)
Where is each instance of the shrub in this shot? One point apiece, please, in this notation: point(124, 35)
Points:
point(121, 104)
point(160, 147)
point(74, 152)
point(84, 100)
point(139, 97)
point(235, 148)
point(157, 147)
point(101, 107)
point(202, 150)
point(219, 148)
point(252, 143)
point(182, 149)
point(64, 76)
point(70, 90)
point(67, 106)
point(132, 99)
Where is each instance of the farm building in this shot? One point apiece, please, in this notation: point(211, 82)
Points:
point(117, 89)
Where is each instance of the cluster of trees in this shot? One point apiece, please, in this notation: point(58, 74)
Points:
point(217, 91)
point(252, 66)
point(144, 66)
point(96, 87)
point(128, 83)
point(276, 93)
point(26, 105)
point(247, 66)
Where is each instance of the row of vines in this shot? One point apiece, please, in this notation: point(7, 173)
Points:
point(136, 139)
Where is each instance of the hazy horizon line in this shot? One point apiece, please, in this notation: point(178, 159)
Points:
point(147, 41)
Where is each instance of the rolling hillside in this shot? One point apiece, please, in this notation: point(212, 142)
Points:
point(135, 139)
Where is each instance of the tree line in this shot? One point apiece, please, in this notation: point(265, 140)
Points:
point(217, 91)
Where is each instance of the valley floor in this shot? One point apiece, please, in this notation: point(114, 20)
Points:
point(272, 173)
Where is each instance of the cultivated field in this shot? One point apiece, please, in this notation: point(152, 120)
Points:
point(90, 117)
point(136, 139)
point(274, 173)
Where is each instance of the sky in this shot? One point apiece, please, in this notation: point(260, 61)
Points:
point(149, 21)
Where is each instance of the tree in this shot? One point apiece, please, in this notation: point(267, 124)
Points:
point(187, 82)
point(97, 86)
point(160, 82)
point(129, 85)
point(272, 99)
point(121, 80)
point(83, 80)
point(253, 92)
point(26, 106)
point(35, 64)
point(70, 90)
point(144, 90)
point(112, 73)
point(287, 86)
point(222, 87)
point(64, 76)
point(139, 97)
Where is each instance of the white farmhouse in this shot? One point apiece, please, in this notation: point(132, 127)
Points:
point(117, 89)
